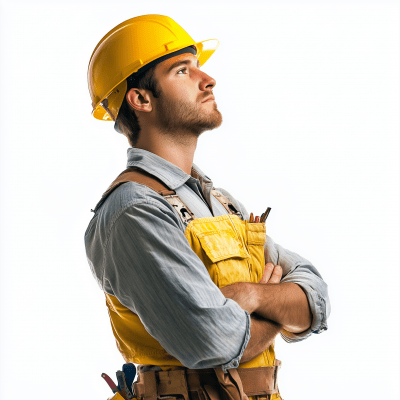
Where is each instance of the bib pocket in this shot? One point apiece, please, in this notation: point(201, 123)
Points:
point(220, 245)
point(227, 260)
point(255, 243)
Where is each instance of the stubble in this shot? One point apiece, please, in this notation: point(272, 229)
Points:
point(183, 116)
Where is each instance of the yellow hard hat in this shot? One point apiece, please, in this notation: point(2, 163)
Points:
point(128, 47)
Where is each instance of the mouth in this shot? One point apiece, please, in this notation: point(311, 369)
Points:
point(209, 98)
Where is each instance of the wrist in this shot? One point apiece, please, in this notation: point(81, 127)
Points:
point(259, 291)
point(253, 293)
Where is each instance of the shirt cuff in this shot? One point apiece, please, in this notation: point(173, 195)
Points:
point(319, 313)
point(234, 363)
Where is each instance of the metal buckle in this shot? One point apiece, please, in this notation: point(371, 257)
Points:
point(183, 211)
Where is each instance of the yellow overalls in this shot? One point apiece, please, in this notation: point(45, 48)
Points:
point(232, 251)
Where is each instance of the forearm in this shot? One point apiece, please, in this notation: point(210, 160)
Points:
point(263, 333)
point(285, 304)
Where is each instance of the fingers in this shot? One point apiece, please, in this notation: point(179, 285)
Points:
point(276, 275)
point(272, 274)
point(268, 269)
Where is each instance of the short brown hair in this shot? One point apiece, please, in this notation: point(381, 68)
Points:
point(127, 122)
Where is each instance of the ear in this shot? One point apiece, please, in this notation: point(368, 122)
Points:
point(139, 99)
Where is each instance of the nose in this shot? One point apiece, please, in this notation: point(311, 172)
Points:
point(206, 82)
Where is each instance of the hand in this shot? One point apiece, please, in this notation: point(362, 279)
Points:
point(242, 293)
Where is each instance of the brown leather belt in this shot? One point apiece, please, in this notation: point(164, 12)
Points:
point(206, 384)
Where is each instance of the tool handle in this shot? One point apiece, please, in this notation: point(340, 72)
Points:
point(125, 390)
point(265, 214)
point(110, 382)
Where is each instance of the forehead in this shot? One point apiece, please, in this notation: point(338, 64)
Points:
point(165, 65)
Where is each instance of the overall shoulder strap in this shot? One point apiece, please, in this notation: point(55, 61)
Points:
point(135, 174)
point(140, 176)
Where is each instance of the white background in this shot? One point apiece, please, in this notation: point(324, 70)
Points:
point(309, 92)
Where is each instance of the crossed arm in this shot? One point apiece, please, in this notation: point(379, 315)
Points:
point(272, 306)
point(215, 331)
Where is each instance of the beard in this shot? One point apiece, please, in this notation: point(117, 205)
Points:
point(183, 116)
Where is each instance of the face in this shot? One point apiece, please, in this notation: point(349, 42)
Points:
point(186, 103)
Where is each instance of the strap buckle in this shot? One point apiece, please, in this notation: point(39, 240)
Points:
point(184, 213)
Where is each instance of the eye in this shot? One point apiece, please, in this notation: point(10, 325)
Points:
point(183, 69)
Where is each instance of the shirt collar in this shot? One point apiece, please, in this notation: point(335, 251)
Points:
point(167, 172)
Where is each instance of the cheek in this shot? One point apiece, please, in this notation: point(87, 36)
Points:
point(183, 89)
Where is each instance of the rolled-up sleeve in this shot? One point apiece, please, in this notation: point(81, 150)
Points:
point(153, 271)
point(297, 269)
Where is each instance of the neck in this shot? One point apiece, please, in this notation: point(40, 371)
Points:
point(178, 149)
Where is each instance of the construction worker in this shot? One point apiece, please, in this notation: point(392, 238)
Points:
point(195, 289)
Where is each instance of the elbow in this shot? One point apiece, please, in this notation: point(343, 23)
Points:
point(206, 362)
point(204, 352)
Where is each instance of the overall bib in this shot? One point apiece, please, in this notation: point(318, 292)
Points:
point(232, 251)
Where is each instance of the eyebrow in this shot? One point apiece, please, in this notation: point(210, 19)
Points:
point(181, 62)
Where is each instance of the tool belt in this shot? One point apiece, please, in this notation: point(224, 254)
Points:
point(208, 384)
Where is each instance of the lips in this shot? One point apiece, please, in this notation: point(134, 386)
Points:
point(208, 99)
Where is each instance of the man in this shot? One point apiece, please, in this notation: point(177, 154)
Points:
point(180, 263)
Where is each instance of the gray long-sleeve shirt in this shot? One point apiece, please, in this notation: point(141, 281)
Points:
point(137, 251)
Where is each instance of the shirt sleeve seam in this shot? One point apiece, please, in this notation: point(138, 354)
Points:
point(131, 203)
